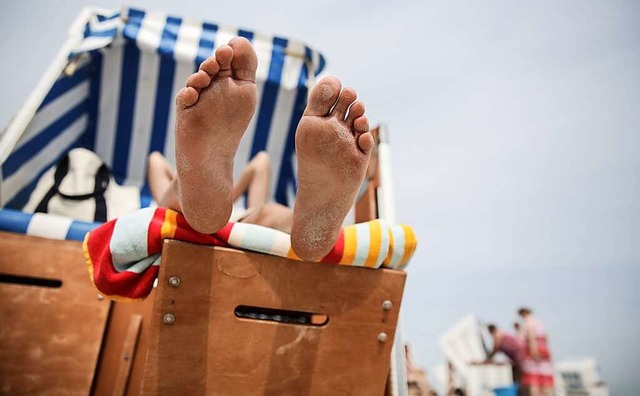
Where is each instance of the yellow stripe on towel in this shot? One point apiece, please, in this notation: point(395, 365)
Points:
point(375, 244)
point(169, 225)
point(350, 245)
point(387, 260)
point(402, 245)
point(410, 244)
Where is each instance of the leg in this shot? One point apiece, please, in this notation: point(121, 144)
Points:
point(213, 111)
point(255, 180)
point(272, 215)
point(333, 145)
point(159, 175)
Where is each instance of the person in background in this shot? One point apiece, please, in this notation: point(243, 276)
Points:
point(417, 383)
point(537, 369)
point(509, 344)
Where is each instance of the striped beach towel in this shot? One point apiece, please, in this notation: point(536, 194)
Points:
point(124, 254)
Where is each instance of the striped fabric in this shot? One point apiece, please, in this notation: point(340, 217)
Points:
point(119, 100)
point(402, 245)
point(123, 255)
point(99, 32)
point(44, 225)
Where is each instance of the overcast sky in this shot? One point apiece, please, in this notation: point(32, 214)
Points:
point(515, 128)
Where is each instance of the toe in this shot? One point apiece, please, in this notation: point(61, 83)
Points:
point(187, 97)
point(210, 65)
point(361, 125)
point(355, 111)
point(223, 55)
point(366, 142)
point(245, 61)
point(323, 97)
point(347, 97)
point(199, 80)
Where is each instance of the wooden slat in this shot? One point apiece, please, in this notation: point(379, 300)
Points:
point(115, 342)
point(208, 350)
point(49, 337)
point(126, 356)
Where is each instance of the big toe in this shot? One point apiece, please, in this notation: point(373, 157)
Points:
point(323, 97)
point(245, 61)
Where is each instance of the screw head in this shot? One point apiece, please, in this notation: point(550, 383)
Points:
point(387, 305)
point(382, 337)
point(169, 318)
point(100, 297)
point(174, 281)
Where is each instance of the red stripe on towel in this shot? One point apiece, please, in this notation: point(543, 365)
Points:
point(185, 233)
point(335, 255)
point(154, 240)
point(118, 285)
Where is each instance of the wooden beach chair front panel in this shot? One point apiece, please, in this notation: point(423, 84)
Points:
point(51, 318)
point(200, 345)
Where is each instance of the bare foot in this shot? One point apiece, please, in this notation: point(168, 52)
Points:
point(213, 111)
point(333, 149)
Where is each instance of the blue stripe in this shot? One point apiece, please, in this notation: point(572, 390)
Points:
point(18, 222)
point(22, 197)
point(145, 199)
point(164, 90)
point(286, 168)
point(41, 140)
point(321, 65)
point(79, 229)
point(64, 84)
point(207, 42)
point(94, 101)
point(269, 97)
point(101, 33)
point(169, 36)
point(14, 221)
point(246, 34)
point(102, 18)
point(128, 84)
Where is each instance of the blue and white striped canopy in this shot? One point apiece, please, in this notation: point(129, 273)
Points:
point(116, 98)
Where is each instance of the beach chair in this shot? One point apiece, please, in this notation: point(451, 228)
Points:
point(110, 89)
point(580, 377)
point(466, 352)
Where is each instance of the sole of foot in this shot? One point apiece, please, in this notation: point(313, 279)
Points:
point(333, 146)
point(213, 111)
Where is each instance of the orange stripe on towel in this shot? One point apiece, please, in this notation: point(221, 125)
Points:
point(87, 257)
point(170, 224)
point(350, 245)
point(410, 243)
point(387, 259)
point(292, 255)
point(375, 242)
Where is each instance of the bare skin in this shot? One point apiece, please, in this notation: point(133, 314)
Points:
point(333, 145)
point(254, 180)
point(213, 111)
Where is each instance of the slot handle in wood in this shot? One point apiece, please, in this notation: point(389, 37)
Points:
point(281, 316)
